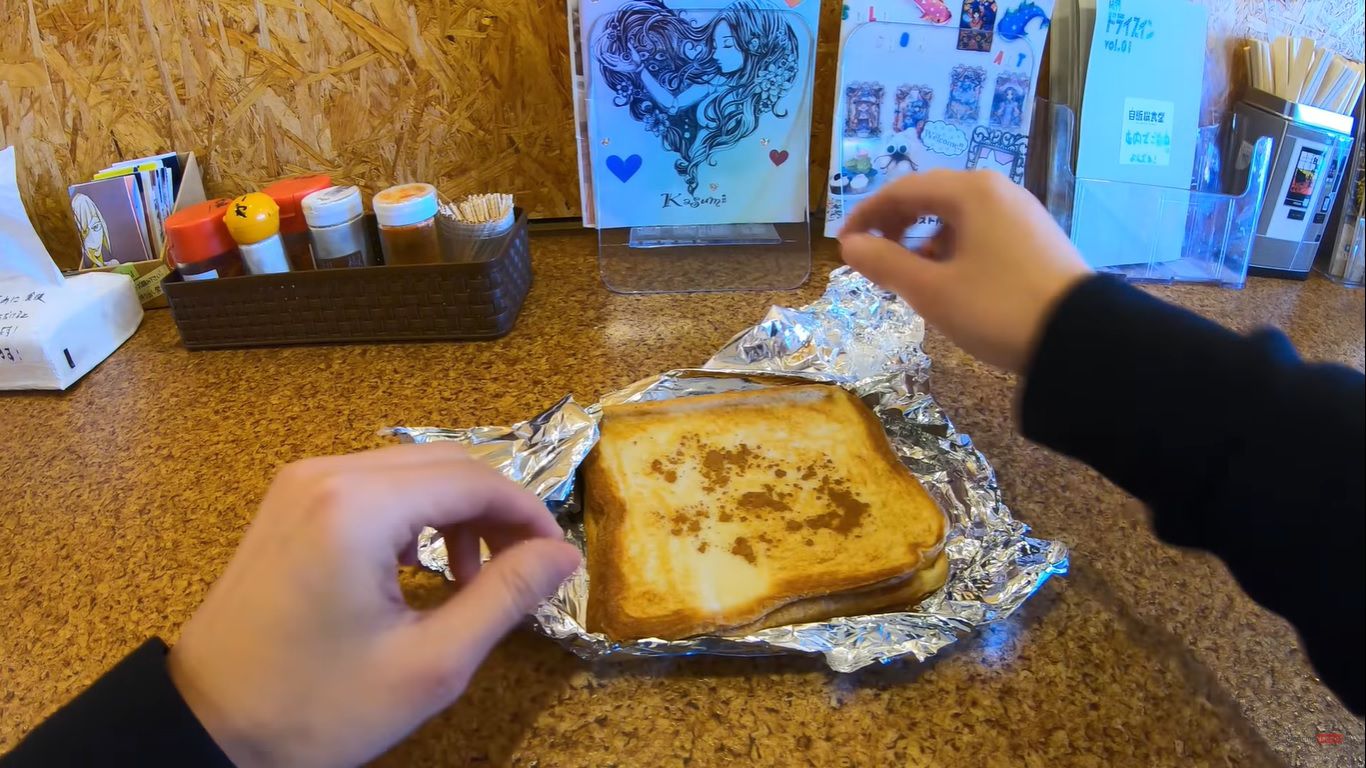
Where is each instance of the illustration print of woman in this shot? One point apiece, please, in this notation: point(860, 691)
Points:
point(701, 88)
point(1009, 110)
point(726, 59)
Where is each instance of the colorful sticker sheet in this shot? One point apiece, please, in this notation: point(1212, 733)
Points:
point(695, 112)
point(927, 84)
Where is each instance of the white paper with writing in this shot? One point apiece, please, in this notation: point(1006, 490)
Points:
point(51, 336)
point(1147, 136)
point(1139, 126)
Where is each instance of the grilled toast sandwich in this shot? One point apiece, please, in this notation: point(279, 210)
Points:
point(714, 513)
point(900, 595)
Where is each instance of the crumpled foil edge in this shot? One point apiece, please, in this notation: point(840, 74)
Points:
point(855, 336)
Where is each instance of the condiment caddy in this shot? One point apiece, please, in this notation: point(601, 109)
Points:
point(449, 300)
point(301, 262)
point(304, 223)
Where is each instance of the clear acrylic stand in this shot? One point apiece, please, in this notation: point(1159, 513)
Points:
point(745, 256)
point(1213, 228)
point(736, 249)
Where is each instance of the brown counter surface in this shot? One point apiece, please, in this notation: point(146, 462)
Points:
point(123, 498)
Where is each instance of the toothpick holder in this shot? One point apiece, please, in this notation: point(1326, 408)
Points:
point(1311, 148)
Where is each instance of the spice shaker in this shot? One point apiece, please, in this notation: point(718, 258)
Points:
point(407, 224)
point(199, 244)
point(254, 222)
point(289, 194)
point(336, 226)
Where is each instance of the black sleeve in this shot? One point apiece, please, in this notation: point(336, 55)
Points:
point(132, 716)
point(1237, 447)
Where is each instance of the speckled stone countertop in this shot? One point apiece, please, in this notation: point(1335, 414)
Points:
point(122, 499)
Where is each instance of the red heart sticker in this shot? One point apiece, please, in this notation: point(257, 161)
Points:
point(777, 157)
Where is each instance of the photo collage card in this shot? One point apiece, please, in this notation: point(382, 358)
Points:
point(924, 85)
point(693, 112)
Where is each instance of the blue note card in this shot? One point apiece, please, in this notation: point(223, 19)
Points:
point(1139, 126)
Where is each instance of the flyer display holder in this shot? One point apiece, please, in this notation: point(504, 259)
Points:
point(1204, 234)
point(684, 197)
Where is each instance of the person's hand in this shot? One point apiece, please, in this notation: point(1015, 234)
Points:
point(304, 652)
point(991, 276)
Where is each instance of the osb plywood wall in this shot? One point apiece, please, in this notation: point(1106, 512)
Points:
point(468, 95)
point(1336, 24)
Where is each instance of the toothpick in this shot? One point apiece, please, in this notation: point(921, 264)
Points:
point(480, 209)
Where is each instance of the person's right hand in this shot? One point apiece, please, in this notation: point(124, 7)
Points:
point(991, 276)
point(305, 653)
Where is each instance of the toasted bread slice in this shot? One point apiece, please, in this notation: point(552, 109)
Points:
point(711, 512)
point(901, 595)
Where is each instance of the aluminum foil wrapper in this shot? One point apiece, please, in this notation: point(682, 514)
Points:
point(856, 336)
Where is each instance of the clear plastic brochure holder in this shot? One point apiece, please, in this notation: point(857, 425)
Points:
point(1201, 235)
point(721, 127)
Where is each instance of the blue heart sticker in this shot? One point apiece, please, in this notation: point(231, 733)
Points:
point(624, 169)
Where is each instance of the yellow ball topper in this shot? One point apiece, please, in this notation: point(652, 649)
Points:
point(253, 217)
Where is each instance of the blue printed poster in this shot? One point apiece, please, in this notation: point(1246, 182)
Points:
point(698, 112)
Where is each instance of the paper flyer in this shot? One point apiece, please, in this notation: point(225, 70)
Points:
point(580, 91)
point(923, 84)
point(1139, 126)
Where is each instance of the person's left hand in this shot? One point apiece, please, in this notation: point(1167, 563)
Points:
point(304, 652)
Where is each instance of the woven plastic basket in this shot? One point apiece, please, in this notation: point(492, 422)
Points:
point(428, 302)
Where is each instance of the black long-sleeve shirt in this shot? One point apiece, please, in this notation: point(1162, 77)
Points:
point(1236, 445)
point(132, 716)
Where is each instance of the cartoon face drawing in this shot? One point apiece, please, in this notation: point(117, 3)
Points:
point(896, 163)
point(912, 108)
point(965, 93)
point(1008, 101)
point(976, 24)
point(726, 53)
point(95, 250)
point(701, 87)
point(863, 106)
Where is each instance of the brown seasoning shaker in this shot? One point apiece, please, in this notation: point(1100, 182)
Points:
point(407, 224)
